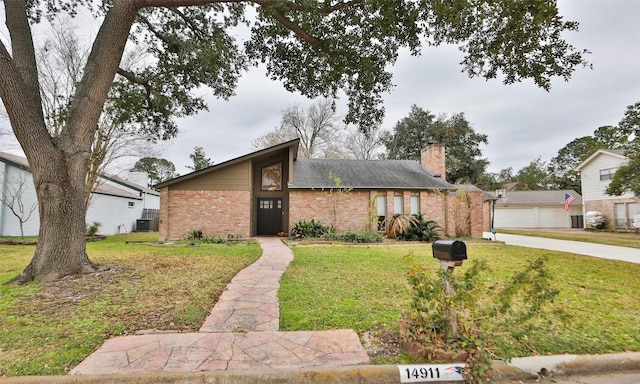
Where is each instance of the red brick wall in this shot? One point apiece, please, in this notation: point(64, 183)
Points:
point(216, 213)
point(465, 214)
point(352, 209)
point(219, 213)
point(486, 215)
point(432, 207)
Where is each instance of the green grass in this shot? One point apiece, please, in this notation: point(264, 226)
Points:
point(49, 330)
point(621, 239)
point(365, 288)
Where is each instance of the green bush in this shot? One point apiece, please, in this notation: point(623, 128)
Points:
point(360, 237)
point(93, 229)
point(196, 234)
point(422, 230)
point(484, 319)
point(303, 229)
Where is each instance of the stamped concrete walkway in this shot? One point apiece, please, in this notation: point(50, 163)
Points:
point(241, 333)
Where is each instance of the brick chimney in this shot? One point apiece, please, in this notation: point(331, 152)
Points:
point(432, 157)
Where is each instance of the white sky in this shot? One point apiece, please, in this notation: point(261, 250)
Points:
point(522, 121)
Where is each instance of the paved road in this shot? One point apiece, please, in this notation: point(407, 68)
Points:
point(631, 255)
point(616, 378)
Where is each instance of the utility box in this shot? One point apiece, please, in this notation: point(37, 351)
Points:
point(449, 250)
point(143, 225)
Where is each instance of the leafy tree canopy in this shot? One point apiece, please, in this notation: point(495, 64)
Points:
point(533, 177)
point(159, 170)
point(464, 162)
point(200, 161)
point(627, 177)
point(317, 48)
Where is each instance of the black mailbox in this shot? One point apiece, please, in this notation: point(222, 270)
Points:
point(449, 250)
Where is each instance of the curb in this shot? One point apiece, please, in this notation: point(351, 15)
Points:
point(522, 369)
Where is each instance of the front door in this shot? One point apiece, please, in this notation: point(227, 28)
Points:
point(269, 216)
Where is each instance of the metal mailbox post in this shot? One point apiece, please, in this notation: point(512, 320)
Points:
point(450, 254)
point(450, 251)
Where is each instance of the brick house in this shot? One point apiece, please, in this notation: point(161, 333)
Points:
point(268, 191)
point(596, 173)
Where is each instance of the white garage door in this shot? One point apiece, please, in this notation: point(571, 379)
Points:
point(553, 218)
point(515, 218)
point(532, 218)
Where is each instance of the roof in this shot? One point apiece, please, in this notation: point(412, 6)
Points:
point(16, 161)
point(129, 184)
point(538, 198)
point(110, 190)
point(619, 153)
point(472, 188)
point(364, 174)
point(100, 188)
point(293, 143)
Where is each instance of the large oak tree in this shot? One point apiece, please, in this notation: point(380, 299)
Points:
point(464, 161)
point(316, 48)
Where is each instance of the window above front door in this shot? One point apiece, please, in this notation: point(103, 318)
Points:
point(272, 177)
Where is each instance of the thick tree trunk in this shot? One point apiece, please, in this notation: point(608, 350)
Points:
point(61, 251)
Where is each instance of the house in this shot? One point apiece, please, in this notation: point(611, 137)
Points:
point(537, 209)
point(596, 173)
point(268, 191)
point(116, 203)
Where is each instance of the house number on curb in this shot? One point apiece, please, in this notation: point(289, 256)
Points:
point(431, 372)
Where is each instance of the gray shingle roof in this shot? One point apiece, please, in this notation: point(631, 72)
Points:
point(365, 174)
point(538, 198)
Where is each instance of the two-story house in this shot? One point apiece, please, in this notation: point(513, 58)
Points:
point(596, 173)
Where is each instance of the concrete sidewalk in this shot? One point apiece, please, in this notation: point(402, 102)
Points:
point(241, 333)
point(631, 255)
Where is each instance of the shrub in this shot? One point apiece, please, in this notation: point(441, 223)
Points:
point(303, 229)
point(399, 224)
point(195, 234)
point(483, 319)
point(360, 237)
point(212, 240)
point(93, 229)
point(422, 230)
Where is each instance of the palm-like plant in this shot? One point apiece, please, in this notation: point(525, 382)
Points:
point(399, 224)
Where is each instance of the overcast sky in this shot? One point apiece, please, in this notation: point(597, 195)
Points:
point(522, 122)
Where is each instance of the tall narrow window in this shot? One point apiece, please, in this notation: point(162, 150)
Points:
point(272, 177)
point(415, 203)
point(381, 204)
point(397, 203)
point(632, 210)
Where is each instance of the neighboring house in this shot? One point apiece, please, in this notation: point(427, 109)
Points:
point(596, 173)
point(268, 191)
point(538, 209)
point(116, 203)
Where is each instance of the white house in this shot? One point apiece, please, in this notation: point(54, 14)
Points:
point(596, 173)
point(538, 209)
point(116, 203)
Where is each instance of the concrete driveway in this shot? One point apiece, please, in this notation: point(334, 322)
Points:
point(631, 255)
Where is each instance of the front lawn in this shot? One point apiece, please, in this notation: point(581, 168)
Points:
point(621, 239)
point(365, 288)
point(49, 330)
